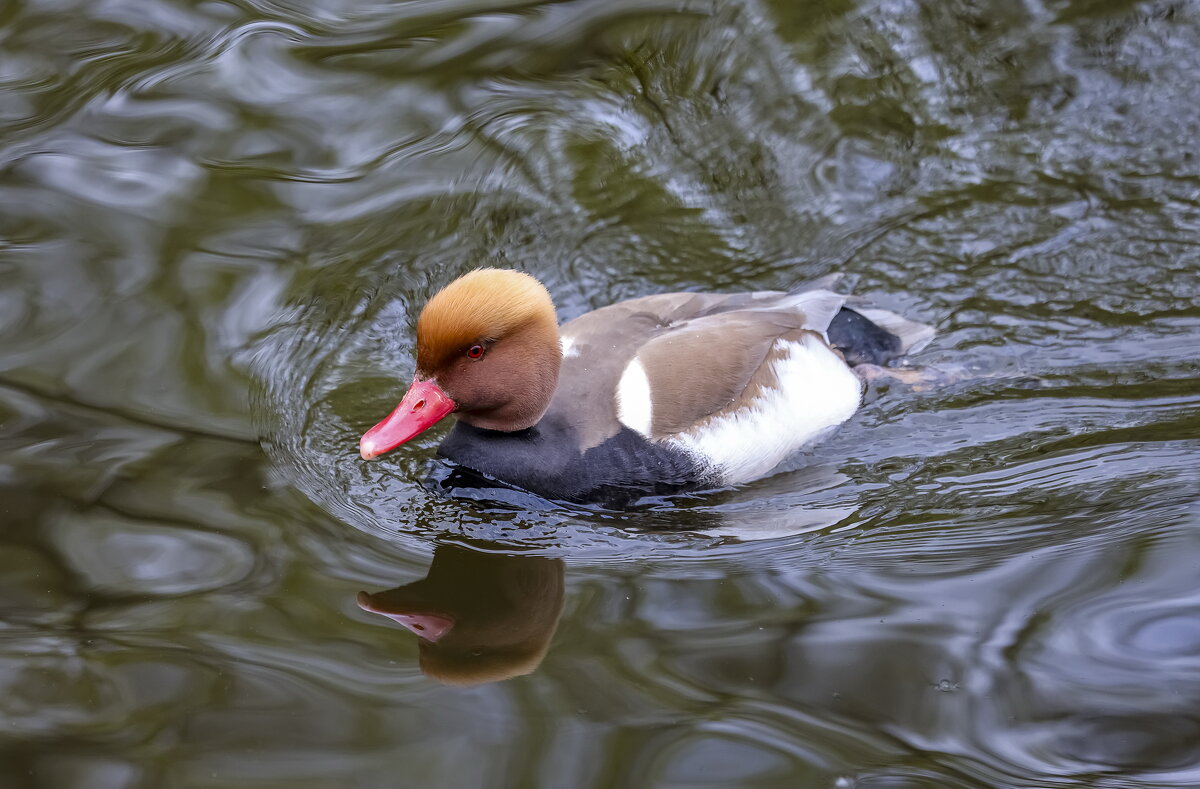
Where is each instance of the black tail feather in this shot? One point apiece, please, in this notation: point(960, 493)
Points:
point(862, 341)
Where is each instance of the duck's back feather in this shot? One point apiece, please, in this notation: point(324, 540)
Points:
point(698, 353)
point(696, 371)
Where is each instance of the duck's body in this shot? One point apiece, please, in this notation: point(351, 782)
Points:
point(653, 395)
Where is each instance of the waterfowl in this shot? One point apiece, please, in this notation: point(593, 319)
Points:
point(654, 395)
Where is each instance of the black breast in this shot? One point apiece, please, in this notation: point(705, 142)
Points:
point(545, 459)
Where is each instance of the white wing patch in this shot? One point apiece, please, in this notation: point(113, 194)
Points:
point(567, 343)
point(634, 407)
point(816, 392)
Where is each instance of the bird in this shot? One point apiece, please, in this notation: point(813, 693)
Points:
point(650, 396)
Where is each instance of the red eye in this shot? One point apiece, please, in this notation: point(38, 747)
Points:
point(475, 351)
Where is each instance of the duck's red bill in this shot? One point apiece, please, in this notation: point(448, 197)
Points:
point(423, 406)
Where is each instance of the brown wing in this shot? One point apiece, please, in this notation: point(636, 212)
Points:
point(701, 351)
point(711, 365)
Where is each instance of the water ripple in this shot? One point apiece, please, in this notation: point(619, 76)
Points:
point(984, 583)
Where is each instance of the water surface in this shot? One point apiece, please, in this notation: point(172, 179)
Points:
point(219, 219)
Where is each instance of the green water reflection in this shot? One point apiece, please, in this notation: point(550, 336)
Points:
point(217, 220)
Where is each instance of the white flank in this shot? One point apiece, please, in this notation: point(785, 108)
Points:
point(567, 344)
point(816, 392)
point(633, 398)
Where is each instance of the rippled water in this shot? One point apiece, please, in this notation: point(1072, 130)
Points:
point(217, 222)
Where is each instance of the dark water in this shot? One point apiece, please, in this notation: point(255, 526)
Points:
point(218, 218)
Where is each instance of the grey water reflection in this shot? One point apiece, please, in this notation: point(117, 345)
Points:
point(217, 222)
point(480, 617)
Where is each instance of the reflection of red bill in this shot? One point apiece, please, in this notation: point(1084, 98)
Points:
point(423, 406)
point(427, 625)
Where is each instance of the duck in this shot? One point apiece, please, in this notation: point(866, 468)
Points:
point(651, 396)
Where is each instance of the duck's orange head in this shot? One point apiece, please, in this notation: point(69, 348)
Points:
point(487, 351)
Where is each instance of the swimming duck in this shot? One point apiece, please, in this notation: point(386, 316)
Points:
point(655, 394)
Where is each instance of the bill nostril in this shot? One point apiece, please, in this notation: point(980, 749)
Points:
point(417, 406)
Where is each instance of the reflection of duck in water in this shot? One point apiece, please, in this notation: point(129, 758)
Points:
point(661, 393)
point(481, 617)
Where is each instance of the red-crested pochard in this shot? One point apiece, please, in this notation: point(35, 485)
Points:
point(655, 394)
